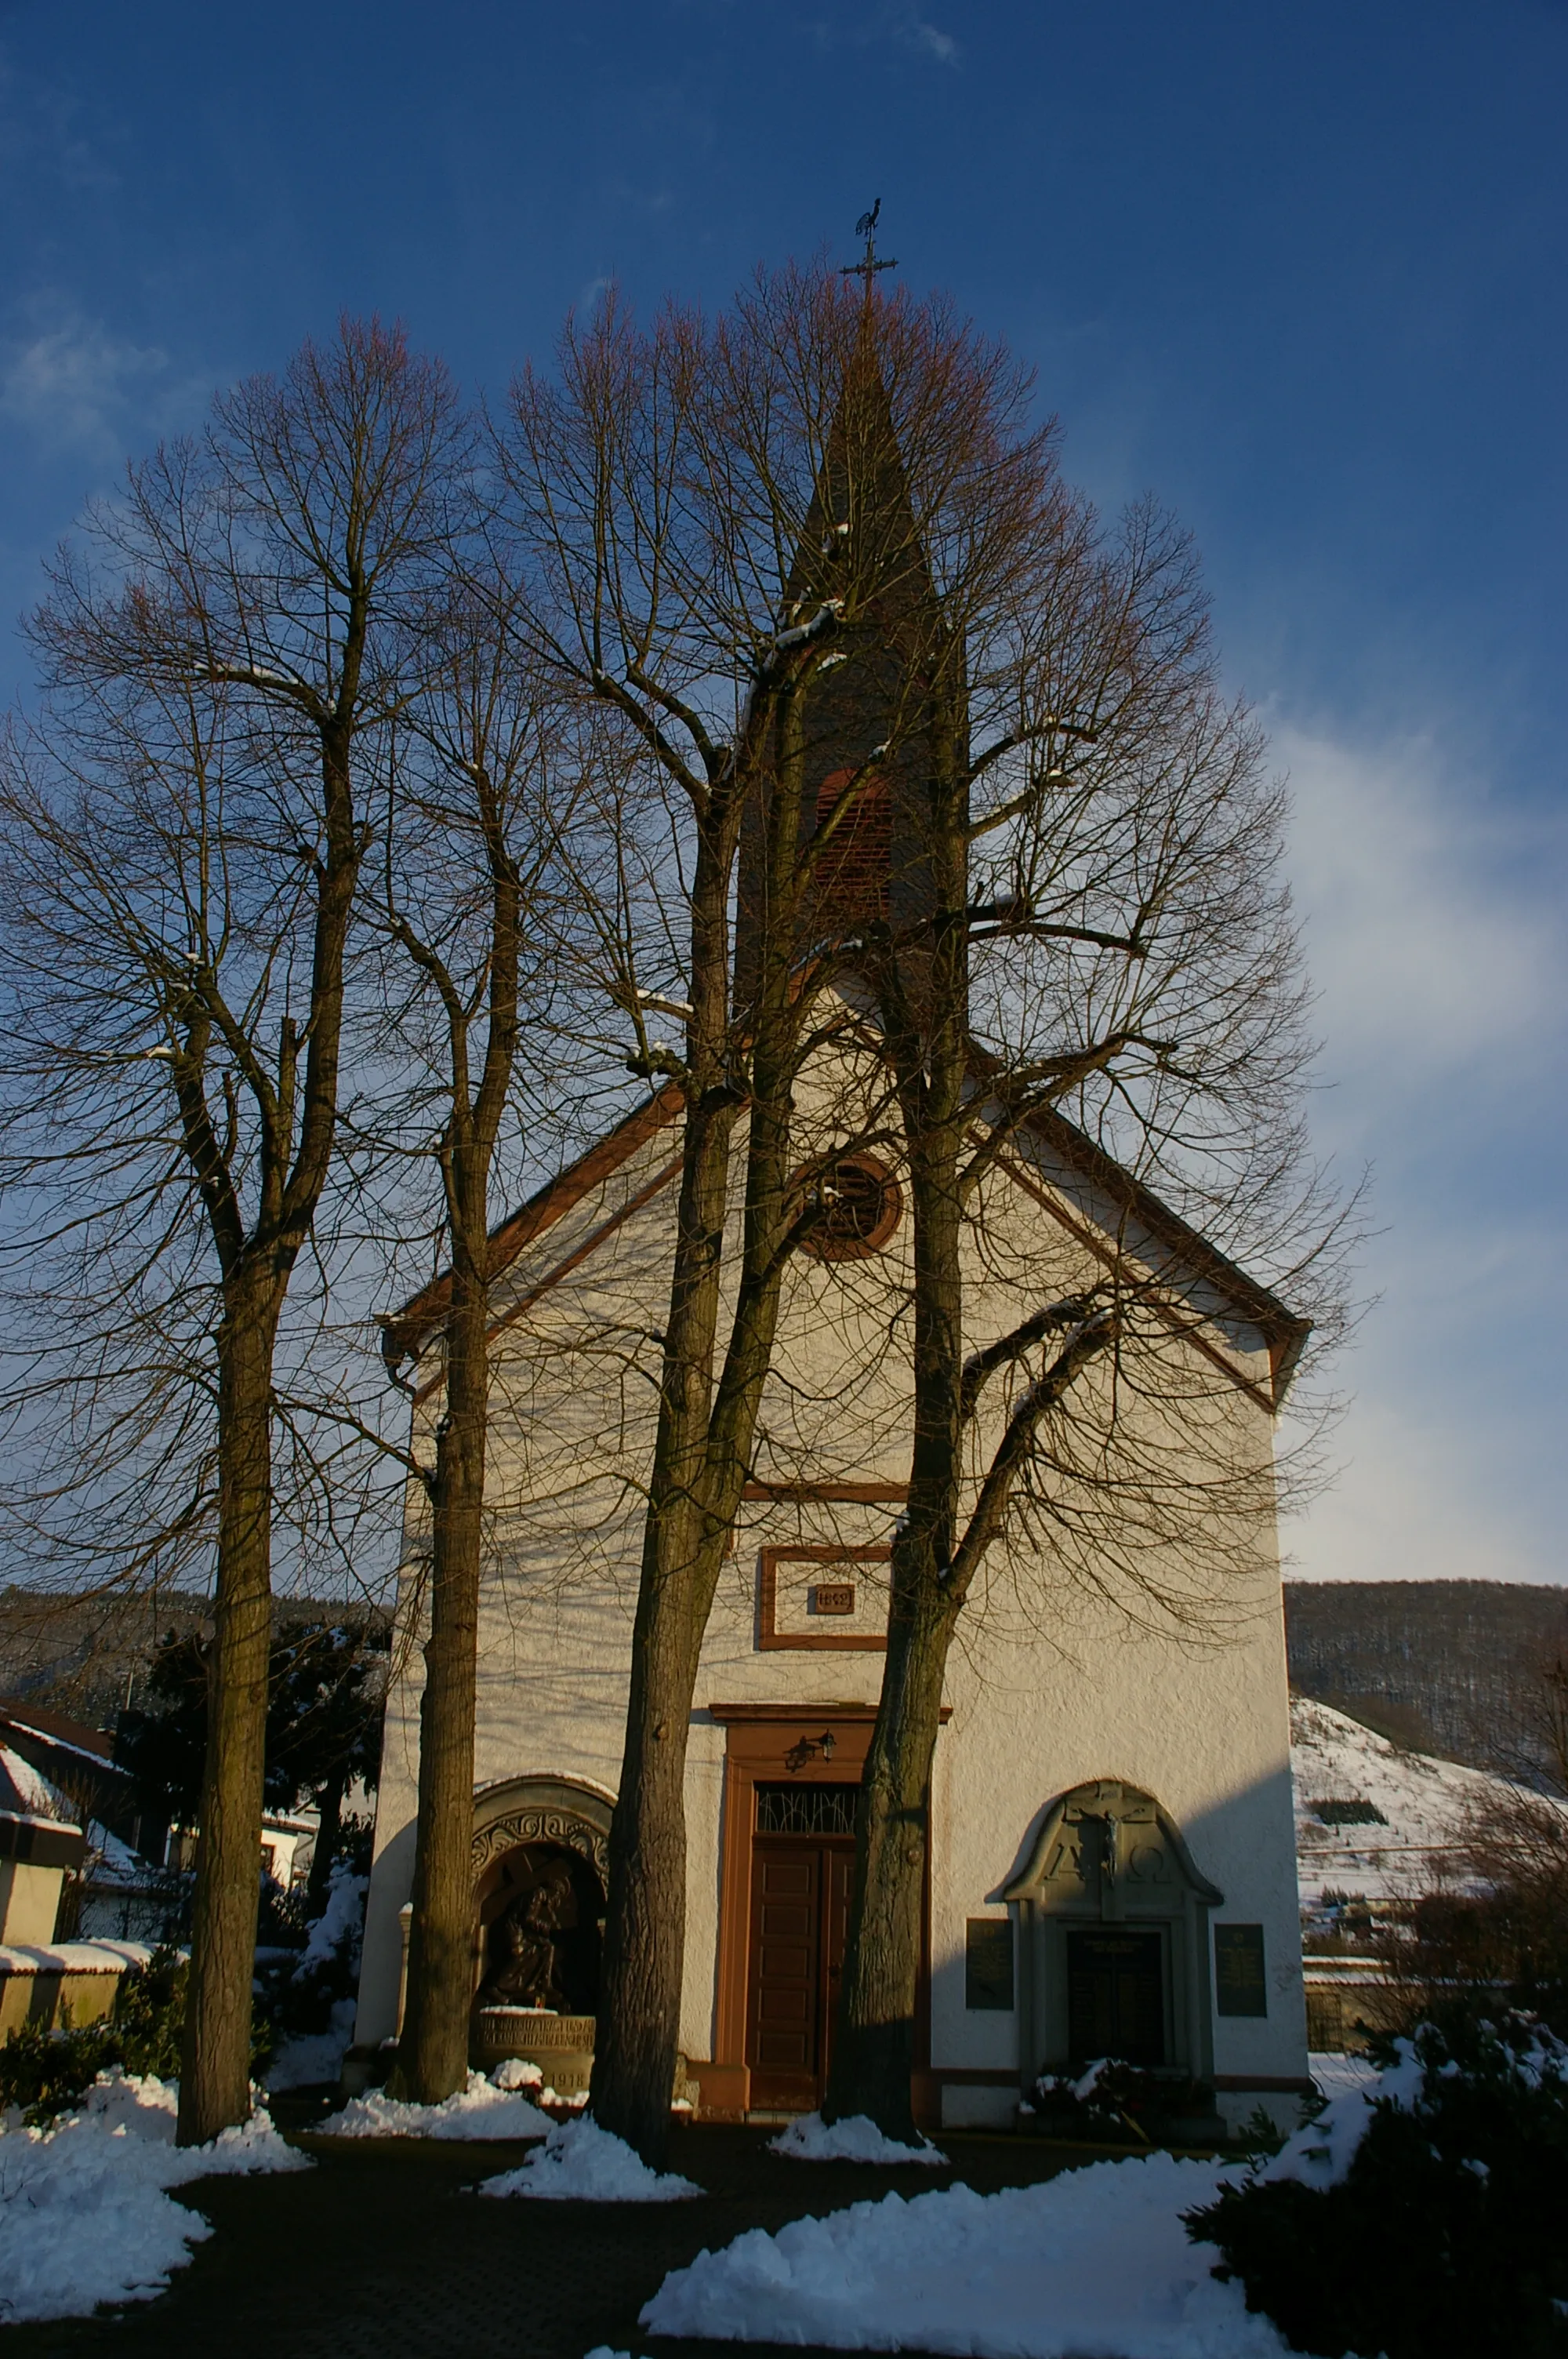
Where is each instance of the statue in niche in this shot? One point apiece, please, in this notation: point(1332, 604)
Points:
point(525, 1946)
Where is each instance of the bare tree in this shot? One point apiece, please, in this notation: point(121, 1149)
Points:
point(481, 801)
point(682, 491)
point(183, 834)
point(1096, 956)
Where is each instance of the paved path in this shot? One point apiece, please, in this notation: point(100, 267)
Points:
point(381, 2253)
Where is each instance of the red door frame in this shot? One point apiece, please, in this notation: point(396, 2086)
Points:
point(757, 1737)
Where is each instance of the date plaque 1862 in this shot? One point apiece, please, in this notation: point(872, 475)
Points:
point(833, 1597)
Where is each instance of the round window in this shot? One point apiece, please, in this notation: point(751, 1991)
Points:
point(854, 1203)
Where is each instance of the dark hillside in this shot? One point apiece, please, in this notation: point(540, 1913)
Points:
point(88, 1656)
point(1447, 1666)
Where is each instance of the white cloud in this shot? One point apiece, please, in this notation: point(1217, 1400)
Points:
point(70, 380)
point(901, 25)
point(935, 44)
point(1435, 928)
point(1416, 1500)
point(1436, 939)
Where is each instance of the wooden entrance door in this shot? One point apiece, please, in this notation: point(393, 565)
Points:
point(1116, 1997)
point(800, 1906)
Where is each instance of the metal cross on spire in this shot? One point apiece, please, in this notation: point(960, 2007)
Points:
point(868, 266)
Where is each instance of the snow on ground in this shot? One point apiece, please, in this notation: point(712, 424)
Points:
point(310, 2058)
point(84, 2216)
point(1094, 2261)
point(808, 2139)
point(480, 2111)
point(1097, 2260)
point(580, 2162)
point(1333, 1758)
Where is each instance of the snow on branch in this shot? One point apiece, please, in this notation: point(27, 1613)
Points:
point(824, 619)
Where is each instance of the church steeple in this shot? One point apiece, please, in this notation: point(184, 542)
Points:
point(883, 704)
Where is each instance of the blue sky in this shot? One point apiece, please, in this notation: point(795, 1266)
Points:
point(1298, 269)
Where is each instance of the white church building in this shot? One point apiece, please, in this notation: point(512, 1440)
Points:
point(1110, 1865)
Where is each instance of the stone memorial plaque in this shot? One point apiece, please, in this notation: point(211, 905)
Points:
point(1238, 1984)
point(988, 1964)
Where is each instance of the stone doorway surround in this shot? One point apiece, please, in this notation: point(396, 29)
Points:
point(516, 1812)
point(1108, 1855)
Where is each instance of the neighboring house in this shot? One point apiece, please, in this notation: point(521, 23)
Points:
point(1110, 1845)
point(78, 1761)
point(288, 1846)
point(40, 1844)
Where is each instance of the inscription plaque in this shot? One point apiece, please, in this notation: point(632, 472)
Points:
point(1239, 1985)
point(833, 1597)
point(988, 1964)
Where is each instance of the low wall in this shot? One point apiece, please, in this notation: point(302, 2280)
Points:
point(1346, 1998)
point(68, 1982)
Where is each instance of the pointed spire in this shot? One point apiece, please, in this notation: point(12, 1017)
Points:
point(871, 709)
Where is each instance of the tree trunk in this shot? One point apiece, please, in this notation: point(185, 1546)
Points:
point(640, 1990)
point(330, 1816)
point(874, 2055)
point(924, 1010)
point(701, 1459)
point(639, 1986)
point(433, 2051)
point(215, 2068)
point(874, 2050)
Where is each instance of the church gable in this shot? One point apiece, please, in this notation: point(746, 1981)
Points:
point(1086, 1212)
point(1238, 1324)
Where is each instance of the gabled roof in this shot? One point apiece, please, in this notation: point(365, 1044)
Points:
point(406, 1331)
point(1284, 1331)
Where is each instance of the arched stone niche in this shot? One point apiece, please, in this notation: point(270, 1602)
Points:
point(1106, 1856)
point(541, 1811)
point(540, 1858)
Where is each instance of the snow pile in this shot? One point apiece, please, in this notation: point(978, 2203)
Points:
point(479, 2111)
point(85, 2217)
point(810, 2138)
point(1097, 2260)
point(518, 2073)
point(580, 2162)
point(1335, 2074)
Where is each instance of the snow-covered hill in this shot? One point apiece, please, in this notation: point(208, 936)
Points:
point(1418, 1801)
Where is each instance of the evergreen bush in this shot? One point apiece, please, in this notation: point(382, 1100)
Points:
point(1442, 2236)
point(1115, 2103)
